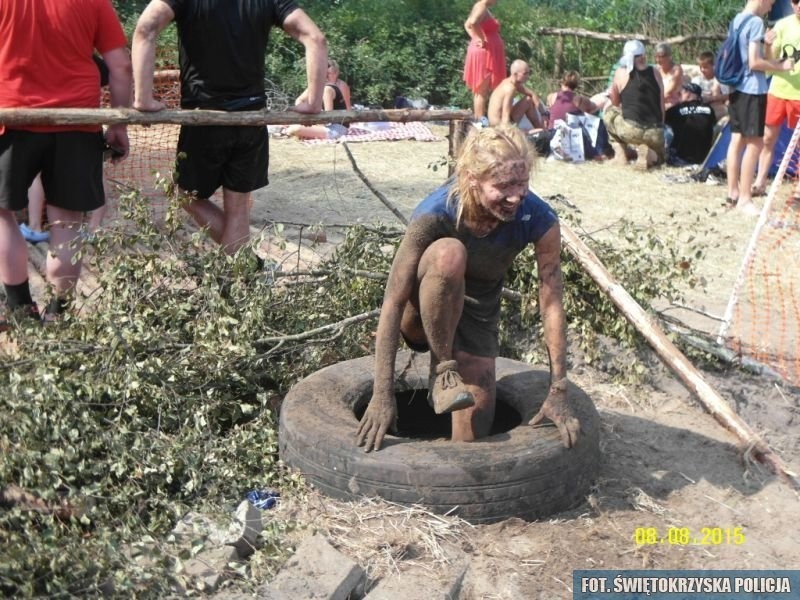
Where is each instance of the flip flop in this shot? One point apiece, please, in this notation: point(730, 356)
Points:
point(757, 192)
point(730, 202)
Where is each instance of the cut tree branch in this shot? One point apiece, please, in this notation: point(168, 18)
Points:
point(312, 332)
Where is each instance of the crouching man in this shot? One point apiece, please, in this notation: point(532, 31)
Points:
point(443, 292)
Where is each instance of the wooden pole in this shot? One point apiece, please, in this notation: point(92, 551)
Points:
point(458, 131)
point(11, 117)
point(674, 358)
point(558, 67)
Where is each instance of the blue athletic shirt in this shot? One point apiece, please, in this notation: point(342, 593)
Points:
point(489, 257)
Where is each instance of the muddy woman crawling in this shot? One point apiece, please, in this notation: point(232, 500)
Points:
point(443, 292)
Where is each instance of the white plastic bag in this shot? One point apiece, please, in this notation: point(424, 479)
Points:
point(567, 142)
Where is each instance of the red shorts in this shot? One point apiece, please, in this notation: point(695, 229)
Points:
point(780, 110)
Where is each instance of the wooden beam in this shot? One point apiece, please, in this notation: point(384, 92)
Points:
point(11, 117)
point(624, 37)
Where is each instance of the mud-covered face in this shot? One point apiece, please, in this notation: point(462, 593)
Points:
point(501, 192)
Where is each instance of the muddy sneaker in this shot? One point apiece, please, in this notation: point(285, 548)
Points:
point(446, 391)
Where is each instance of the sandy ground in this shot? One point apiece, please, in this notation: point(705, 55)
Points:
point(666, 462)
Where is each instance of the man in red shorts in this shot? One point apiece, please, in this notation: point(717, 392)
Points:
point(46, 49)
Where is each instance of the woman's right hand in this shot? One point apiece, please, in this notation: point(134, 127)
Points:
point(380, 417)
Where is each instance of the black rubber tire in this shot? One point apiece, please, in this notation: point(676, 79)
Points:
point(524, 472)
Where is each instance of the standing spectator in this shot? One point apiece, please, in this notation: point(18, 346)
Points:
point(714, 93)
point(636, 113)
point(748, 104)
point(222, 46)
point(671, 74)
point(485, 64)
point(46, 61)
point(692, 123)
point(502, 105)
point(783, 99)
point(445, 283)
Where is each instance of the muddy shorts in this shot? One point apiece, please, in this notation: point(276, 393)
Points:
point(629, 132)
point(475, 334)
point(71, 163)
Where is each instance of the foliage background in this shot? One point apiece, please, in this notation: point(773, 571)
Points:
point(415, 48)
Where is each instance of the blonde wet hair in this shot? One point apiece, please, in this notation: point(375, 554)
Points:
point(481, 153)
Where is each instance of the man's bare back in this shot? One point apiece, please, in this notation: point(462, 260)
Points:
point(503, 110)
point(501, 102)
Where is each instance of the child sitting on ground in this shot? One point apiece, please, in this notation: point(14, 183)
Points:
point(714, 93)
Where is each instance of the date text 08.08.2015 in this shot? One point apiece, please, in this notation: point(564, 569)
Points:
point(683, 536)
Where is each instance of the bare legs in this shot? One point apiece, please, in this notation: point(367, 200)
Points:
point(527, 108)
point(13, 250)
point(307, 132)
point(36, 202)
point(432, 317)
point(62, 267)
point(771, 133)
point(229, 226)
point(742, 160)
point(480, 98)
point(478, 374)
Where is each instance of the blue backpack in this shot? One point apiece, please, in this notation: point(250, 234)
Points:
point(729, 67)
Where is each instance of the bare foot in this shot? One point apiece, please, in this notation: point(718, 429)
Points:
point(747, 208)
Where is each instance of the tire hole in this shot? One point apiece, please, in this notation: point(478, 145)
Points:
point(416, 419)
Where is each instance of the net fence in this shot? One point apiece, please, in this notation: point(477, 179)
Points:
point(762, 321)
point(151, 161)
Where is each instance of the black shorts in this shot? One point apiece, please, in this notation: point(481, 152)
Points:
point(234, 157)
point(747, 112)
point(71, 163)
